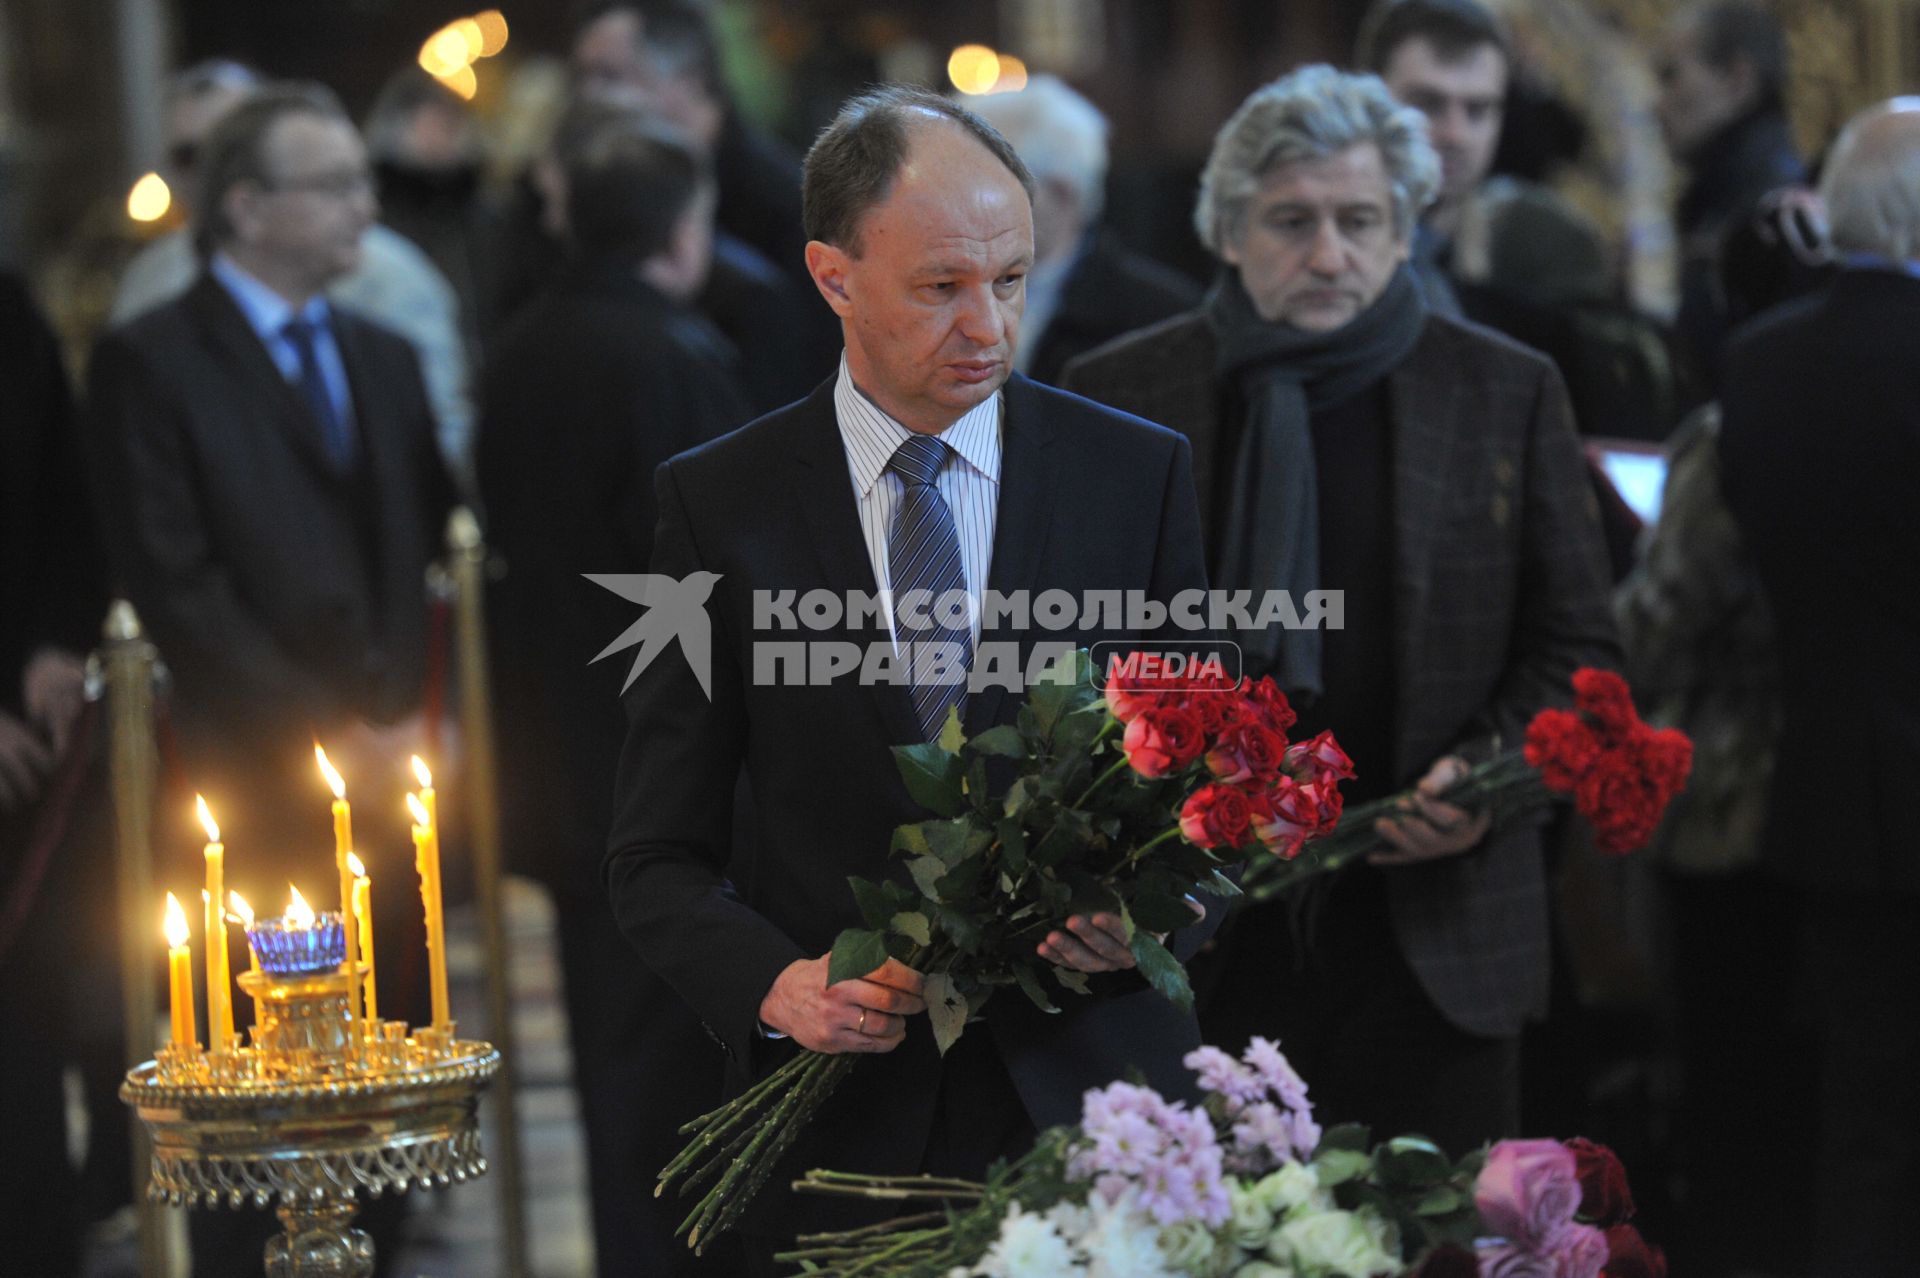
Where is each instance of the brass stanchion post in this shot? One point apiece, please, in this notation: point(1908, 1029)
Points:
point(131, 663)
point(468, 554)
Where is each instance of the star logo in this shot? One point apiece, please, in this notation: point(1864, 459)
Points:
point(676, 609)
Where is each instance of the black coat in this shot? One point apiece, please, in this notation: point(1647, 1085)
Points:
point(287, 599)
point(1113, 290)
point(1089, 500)
point(1819, 450)
point(591, 387)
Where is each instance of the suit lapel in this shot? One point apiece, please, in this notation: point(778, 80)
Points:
point(1027, 489)
point(242, 351)
point(831, 512)
point(1425, 407)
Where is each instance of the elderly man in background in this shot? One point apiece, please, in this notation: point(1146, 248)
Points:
point(1086, 288)
point(1346, 438)
point(392, 282)
point(1819, 446)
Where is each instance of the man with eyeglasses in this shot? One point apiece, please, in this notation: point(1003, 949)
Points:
point(271, 497)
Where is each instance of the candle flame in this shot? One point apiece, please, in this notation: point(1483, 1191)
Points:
point(239, 909)
point(176, 926)
point(421, 774)
point(206, 819)
point(355, 866)
point(299, 914)
point(419, 811)
point(327, 770)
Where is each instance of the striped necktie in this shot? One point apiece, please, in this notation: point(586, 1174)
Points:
point(929, 586)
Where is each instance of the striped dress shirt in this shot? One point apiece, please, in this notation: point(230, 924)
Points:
point(970, 482)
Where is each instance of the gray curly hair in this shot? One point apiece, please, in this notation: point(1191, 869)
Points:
point(1313, 112)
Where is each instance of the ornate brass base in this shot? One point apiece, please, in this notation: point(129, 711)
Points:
point(235, 1129)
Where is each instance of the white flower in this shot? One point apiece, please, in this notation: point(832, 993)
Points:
point(1191, 1248)
point(1291, 1189)
point(1027, 1247)
point(1124, 1243)
point(1330, 1243)
point(1252, 1215)
point(1263, 1269)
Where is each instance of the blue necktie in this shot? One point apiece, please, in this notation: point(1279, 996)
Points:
point(929, 585)
point(335, 435)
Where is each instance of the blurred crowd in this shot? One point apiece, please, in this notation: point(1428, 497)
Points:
point(352, 330)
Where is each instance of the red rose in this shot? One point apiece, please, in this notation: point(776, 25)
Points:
point(1215, 815)
point(1332, 803)
point(1161, 740)
point(1604, 695)
point(1604, 1197)
point(1248, 750)
point(1217, 713)
point(1127, 695)
point(1631, 1256)
point(1320, 759)
point(1286, 814)
point(1563, 746)
point(1271, 704)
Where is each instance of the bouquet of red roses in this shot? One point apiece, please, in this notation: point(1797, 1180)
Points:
point(1126, 799)
point(1619, 773)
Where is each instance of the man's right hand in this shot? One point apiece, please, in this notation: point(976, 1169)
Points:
point(24, 764)
point(868, 1014)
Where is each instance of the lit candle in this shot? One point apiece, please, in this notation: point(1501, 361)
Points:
point(219, 974)
point(180, 976)
point(238, 911)
point(342, 848)
point(363, 911)
point(426, 854)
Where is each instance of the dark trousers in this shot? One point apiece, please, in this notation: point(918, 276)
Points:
point(39, 1218)
point(1863, 965)
point(1326, 980)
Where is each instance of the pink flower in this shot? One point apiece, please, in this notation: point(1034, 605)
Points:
point(1578, 1251)
point(1528, 1191)
point(1134, 1139)
point(1508, 1261)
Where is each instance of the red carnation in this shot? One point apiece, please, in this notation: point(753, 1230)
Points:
point(1620, 804)
point(1669, 760)
point(1216, 815)
point(1631, 1256)
point(1605, 1199)
point(1162, 739)
point(1563, 746)
point(1605, 696)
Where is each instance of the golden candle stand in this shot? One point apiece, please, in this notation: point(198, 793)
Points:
point(318, 1112)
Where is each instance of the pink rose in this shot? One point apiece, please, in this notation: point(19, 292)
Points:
point(1508, 1261)
point(1578, 1251)
point(1528, 1191)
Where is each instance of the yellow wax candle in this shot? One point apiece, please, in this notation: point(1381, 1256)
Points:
point(363, 911)
point(180, 976)
point(426, 852)
point(219, 973)
point(242, 913)
point(342, 848)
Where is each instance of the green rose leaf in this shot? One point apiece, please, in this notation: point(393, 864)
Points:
point(1338, 1166)
point(927, 872)
point(946, 1009)
point(875, 905)
point(1218, 884)
point(1075, 981)
point(956, 842)
point(856, 952)
point(1162, 969)
point(1023, 973)
point(1004, 741)
point(932, 776)
point(913, 925)
point(952, 735)
point(1412, 1162)
point(1347, 1136)
point(1440, 1201)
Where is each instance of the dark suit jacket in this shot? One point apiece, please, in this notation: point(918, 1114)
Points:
point(1089, 500)
point(590, 388)
point(1112, 291)
point(286, 598)
point(1819, 449)
point(1501, 592)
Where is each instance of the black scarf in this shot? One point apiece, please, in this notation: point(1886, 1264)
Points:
point(1270, 536)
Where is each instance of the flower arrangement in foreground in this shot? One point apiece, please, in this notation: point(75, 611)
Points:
point(1619, 772)
point(1128, 799)
point(1246, 1186)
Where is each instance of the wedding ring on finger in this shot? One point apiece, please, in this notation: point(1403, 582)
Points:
point(861, 1026)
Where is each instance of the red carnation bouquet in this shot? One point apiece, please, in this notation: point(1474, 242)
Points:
point(1619, 773)
point(1128, 799)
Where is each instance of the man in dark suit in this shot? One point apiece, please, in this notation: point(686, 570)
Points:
point(594, 384)
point(1344, 437)
point(272, 497)
point(1819, 446)
point(921, 233)
point(1086, 287)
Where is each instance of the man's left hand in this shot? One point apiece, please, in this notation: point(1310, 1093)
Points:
point(1428, 828)
point(1089, 943)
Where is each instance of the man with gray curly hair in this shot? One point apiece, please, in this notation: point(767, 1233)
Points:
point(1425, 473)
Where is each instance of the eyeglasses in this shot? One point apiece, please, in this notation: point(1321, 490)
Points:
point(340, 186)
